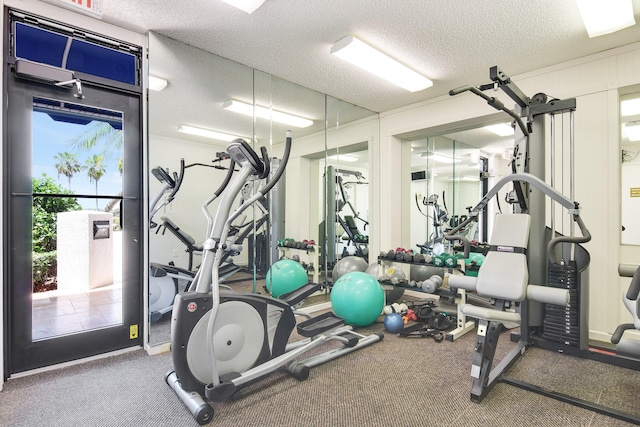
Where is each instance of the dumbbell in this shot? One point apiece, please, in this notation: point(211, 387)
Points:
point(432, 284)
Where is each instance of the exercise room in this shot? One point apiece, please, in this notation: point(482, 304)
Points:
point(335, 213)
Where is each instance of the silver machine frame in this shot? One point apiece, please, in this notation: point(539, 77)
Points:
point(531, 116)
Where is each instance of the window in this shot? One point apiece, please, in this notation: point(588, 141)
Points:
point(71, 52)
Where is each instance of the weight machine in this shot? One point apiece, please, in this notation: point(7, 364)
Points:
point(337, 214)
point(550, 291)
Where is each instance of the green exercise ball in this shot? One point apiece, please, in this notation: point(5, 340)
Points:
point(285, 276)
point(358, 298)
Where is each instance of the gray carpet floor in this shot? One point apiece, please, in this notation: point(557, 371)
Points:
point(395, 382)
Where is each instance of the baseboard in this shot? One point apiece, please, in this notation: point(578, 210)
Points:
point(74, 362)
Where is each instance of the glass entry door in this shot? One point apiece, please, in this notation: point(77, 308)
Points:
point(73, 177)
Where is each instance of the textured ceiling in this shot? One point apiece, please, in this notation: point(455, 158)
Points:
point(452, 42)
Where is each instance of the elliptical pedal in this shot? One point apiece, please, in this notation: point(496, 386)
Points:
point(295, 297)
point(317, 325)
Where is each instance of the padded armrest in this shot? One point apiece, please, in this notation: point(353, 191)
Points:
point(464, 282)
point(489, 313)
point(548, 295)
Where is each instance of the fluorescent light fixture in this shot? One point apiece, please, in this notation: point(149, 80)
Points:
point(156, 83)
point(366, 57)
point(208, 133)
point(630, 107)
point(606, 17)
point(343, 158)
point(266, 113)
point(471, 178)
point(440, 158)
point(632, 129)
point(502, 129)
point(248, 6)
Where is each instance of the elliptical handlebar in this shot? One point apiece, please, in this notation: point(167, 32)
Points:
point(218, 229)
point(266, 162)
point(177, 177)
point(163, 176)
point(283, 165)
point(170, 185)
point(270, 184)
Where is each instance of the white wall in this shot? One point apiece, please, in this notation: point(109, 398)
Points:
point(594, 82)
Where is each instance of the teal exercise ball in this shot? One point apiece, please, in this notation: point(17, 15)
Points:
point(285, 276)
point(358, 298)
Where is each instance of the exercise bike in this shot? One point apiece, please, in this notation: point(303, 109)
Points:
point(222, 340)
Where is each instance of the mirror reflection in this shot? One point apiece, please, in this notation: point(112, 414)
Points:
point(445, 185)
point(630, 170)
point(449, 175)
point(209, 100)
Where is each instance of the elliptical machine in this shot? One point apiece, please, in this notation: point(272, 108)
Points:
point(165, 279)
point(222, 340)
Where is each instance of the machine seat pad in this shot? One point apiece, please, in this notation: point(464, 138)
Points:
point(504, 274)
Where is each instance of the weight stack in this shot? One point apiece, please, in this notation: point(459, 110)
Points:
point(563, 324)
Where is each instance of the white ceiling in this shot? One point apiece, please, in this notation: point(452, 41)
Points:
point(452, 42)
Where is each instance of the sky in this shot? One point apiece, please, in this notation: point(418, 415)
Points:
point(52, 137)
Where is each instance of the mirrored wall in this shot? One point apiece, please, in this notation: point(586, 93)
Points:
point(445, 185)
point(449, 174)
point(630, 165)
point(216, 99)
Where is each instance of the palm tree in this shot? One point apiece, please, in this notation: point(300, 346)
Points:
point(112, 204)
point(108, 140)
point(67, 165)
point(100, 134)
point(95, 170)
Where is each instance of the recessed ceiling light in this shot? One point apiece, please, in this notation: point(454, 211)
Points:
point(266, 113)
point(208, 133)
point(605, 17)
point(248, 6)
point(157, 83)
point(372, 60)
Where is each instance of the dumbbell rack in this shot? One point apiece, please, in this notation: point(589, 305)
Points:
point(459, 298)
point(314, 258)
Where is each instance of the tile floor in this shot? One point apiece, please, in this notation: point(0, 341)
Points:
point(58, 312)
point(63, 312)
